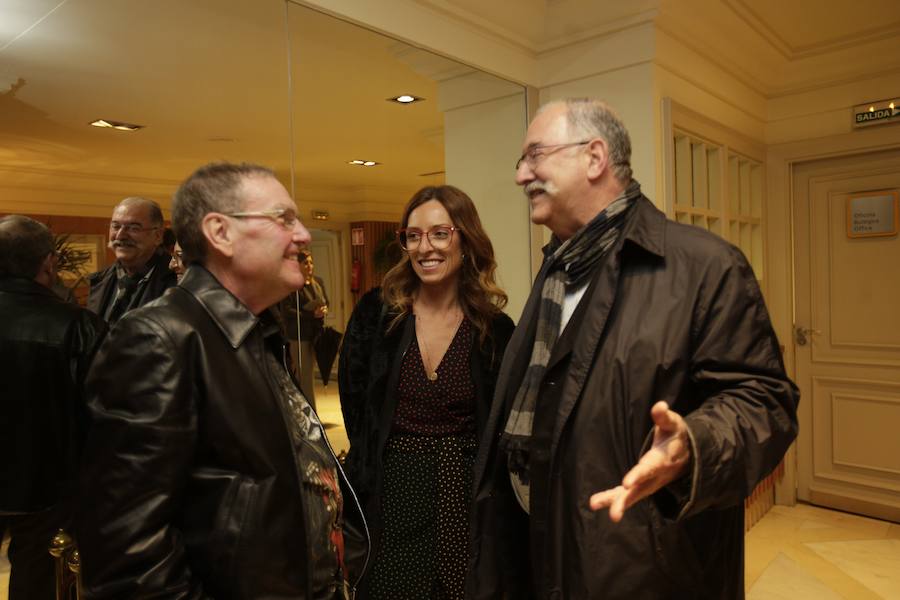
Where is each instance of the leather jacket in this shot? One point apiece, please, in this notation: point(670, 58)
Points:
point(151, 287)
point(191, 487)
point(46, 345)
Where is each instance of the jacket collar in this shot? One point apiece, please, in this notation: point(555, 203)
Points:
point(22, 285)
point(647, 227)
point(230, 315)
point(116, 270)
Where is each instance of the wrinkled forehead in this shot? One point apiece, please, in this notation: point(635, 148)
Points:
point(263, 192)
point(550, 126)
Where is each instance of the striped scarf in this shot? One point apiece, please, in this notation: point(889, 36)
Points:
point(570, 264)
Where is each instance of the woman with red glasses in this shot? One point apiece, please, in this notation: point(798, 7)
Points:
point(416, 377)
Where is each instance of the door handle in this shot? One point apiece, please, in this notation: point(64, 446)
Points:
point(801, 334)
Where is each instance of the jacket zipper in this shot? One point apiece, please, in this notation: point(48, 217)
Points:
point(344, 475)
point(358, 507)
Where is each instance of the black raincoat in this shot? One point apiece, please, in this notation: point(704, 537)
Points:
point(675, 314)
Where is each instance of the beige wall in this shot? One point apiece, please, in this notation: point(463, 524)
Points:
point(482, 141)
point(825, 112)
point(28, 190)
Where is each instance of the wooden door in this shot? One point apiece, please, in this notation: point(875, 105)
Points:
point(326, 252)
point(847, 339)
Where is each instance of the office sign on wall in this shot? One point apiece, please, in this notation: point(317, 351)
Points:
point(873, 214)
point(877, 113)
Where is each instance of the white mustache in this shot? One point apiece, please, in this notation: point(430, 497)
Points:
point(534, 186)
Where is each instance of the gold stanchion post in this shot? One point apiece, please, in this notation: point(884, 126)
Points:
point(68, 566)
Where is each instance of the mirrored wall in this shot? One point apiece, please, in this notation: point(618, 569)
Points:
point(272, 82)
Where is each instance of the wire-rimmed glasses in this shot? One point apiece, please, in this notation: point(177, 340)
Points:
point(533, 155)
point(130, 228)
point(286, 217)
point(439, 237)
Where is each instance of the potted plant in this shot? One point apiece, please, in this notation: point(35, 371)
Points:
point(69, 260)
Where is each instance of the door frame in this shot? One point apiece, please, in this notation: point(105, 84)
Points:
point(780, 259)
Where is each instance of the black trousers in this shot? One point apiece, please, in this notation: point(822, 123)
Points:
point(32, 575)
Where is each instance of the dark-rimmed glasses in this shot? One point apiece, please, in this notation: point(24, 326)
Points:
point(131, 228)
point(439, 237)
point(285, 217)
point(534, 154)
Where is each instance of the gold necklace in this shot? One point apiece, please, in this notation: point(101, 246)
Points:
point(432, 374)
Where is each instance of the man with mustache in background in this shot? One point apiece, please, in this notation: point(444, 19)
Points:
point(140, 274)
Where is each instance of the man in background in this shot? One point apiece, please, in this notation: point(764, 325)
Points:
point(313, 309)
point(46, 345)
point(140, 273)
point(313, 303)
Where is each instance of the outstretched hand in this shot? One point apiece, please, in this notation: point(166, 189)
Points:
point(663, 463)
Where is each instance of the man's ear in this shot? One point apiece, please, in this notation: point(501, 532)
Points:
point(598, 151)
point(46, 274)
point(219, 233)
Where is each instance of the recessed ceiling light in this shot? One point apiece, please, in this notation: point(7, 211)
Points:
point(405, 99)
point(110, 124)
point(363, 163)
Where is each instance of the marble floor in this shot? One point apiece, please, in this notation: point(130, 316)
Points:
point(805, 552)
point(801, 552)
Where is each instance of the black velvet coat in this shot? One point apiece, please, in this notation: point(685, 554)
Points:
point(368, 372)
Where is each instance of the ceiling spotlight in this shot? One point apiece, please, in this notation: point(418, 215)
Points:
point(405, 99)
point(110, 124)
point(363, 163)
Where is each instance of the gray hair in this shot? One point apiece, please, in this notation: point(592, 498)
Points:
point(24, 245)
point(211, 188)
point(594, 118)
point(153, 209)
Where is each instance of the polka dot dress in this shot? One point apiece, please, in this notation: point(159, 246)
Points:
point(428, 463)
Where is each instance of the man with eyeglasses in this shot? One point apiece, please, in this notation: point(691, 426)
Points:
point(207, 473)
point(641, 398)
point(46, 345)
point(140, 273)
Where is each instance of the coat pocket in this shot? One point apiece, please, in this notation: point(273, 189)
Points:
point(218, 507)
point(675, 554)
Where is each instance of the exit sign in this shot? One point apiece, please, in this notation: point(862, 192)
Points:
point(877, 113)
